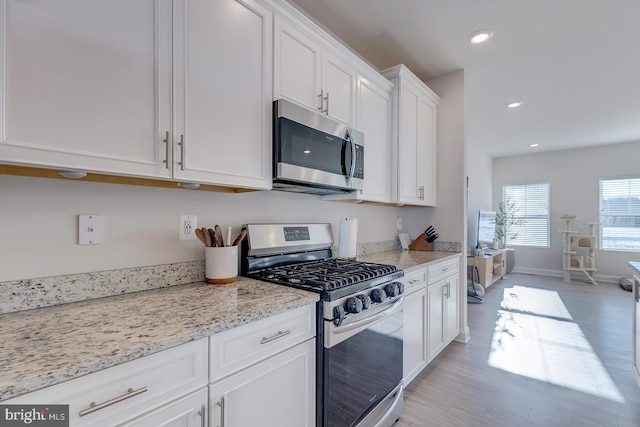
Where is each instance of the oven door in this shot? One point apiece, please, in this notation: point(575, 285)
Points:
point(362, 364)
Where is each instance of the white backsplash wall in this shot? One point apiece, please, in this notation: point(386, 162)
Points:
point(39, 225)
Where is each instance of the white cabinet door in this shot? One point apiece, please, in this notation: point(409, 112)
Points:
point(451, 308)
point(442, 297)
point(81, 83)
point(339, 87)
point(375, 121)
point(426, 152)
point(189, 411)
point(409, 161)
point(279, 391)
point(308, 73)
point(435, 298)
point(222, 54)
point(297, 67)
point(414, 334)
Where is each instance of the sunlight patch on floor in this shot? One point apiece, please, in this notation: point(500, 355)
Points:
point(536, 337)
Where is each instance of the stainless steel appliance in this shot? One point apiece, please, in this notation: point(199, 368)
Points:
point(313, 153)
point(359, 323)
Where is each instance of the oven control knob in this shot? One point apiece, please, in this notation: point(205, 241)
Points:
point(392, 290)
point(353, 305)
point(377, 295)
point(338, 315)
point(400, 287)
point(366, 301)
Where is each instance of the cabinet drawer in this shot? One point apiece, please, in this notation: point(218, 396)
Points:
point(130, 389)
point(415, 280)
point(442, 269)
point(243, 346)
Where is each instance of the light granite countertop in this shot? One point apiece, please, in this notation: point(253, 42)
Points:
point(407, 260)
point(46, 346)
point(49, 345)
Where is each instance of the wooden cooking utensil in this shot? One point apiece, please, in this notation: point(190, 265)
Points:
point(214, 239)
point(241, 236)
point(219, 235)
point(200, 236)
point(207, 237)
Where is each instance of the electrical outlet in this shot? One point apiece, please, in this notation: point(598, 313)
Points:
point(187, 227)
point(399, 224)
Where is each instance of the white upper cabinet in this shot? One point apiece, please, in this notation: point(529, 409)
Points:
point(82, 81)
point(173, 90)
point(415, 139)
point(310, 74)
point(222, 90)
point(375, 108)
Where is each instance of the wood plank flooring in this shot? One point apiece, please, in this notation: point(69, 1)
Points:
point(542, 353)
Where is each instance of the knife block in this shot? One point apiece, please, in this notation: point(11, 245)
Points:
point(421, 244)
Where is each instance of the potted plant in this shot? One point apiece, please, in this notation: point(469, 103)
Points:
point(505, 219)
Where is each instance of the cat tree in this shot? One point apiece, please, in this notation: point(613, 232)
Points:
point(579, 250)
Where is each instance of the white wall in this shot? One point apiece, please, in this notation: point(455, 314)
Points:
point(479, 171)
point(574, 177)
point(38, 223)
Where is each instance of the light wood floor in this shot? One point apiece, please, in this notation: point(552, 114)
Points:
point(542, 353)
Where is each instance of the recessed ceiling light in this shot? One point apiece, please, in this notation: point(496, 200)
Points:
point(534, 145)
point(480, 36)
point(515, 104)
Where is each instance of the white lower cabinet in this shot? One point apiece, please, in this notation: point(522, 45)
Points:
point(146, 386)
point(415, 325)
point(279, 391)
point(263, 374)
point(442, 305)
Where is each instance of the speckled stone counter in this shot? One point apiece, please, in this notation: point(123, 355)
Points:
point(46, 346)
point(407, 260)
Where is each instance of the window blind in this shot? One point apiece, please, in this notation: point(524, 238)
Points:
point(532, 204)
point(620, 214)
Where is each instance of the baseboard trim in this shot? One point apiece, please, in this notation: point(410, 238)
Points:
point(560, 273)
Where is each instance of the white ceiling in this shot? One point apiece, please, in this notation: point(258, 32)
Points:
point(574, 63)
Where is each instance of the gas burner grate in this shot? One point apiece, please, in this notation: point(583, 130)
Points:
point(324, 275)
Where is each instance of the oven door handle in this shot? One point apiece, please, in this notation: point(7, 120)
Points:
point(368, 320)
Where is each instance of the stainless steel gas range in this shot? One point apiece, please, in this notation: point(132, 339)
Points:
point(359, 320)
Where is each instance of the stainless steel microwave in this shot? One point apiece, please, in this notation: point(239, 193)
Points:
point(313, 153)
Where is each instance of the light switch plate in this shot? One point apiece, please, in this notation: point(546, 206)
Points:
point(90, 229)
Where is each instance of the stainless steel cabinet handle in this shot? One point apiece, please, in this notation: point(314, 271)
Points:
point(280, 334)
point(326, 98)
point(445, 268)
point(93, 406)
point(203, 419)
point(182, 149)
point(421, 192)
point(221, 405)
point(321, 96)
point(166, 149)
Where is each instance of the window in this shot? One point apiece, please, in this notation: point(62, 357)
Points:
point(531, 214)
point(620, 214)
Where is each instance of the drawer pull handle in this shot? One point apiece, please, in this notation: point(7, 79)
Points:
point(202, 412)
point(280, 334)
point(93, 406)
point(445, 268)
point(221, 405)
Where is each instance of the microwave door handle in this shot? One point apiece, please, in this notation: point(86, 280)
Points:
point(343, 158)
point(352, 169)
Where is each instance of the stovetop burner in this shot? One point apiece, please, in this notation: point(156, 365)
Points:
point(323, 275)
